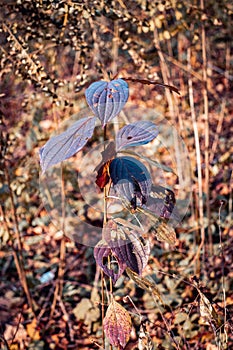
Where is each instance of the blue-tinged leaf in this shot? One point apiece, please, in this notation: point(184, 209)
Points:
point(131, 180)
point(136, 134)
point(65, 145)
point(106, 99)
point(150, 161)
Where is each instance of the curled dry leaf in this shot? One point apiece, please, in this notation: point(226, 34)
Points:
point(102, 252)
point(144, 283)
point(144, 340)
point(133, 251)
point(208, 314)
point(117, 325)
point(126, 246)
point(163, 231)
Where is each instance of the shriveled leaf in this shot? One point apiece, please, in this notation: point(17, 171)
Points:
point(131, 250)
point(150, 161)
point(101, 253)
point(32, 330)
point(131, 180)
point(136, 134)
point(144, 340)
point(161, 203)
point(163, 231)
point(208, 313)
point(106, 99)
point(87, 311)
point(103, 176)
point(117, 325)
point(144, 283)
point(65, 145)
point(151, 82)
point(127, 246)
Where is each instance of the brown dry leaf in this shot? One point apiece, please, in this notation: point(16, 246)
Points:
point(33, 333)
point(87, 312)
point(117, 324)
point(165, 233)
point(208, 314)
point(17, 332)
point(144, 339)
point(144, 283)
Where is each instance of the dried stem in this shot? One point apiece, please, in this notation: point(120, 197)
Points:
point(198, 161)
point(61, 269)
point(223, 268)
point(18, 257)
point(5, 342)
point(207, 132)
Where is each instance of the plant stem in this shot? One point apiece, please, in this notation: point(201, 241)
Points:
point(207, 132)
point(19, 261)
point(198, 160)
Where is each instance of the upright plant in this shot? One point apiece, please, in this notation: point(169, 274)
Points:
point(123, 246)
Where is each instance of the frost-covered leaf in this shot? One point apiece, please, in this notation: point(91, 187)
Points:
point(106, 99)
point(125, 246)
point(101, 253)
point(131, 180)
point(136, 134)
point(65, 145)
point(117, 325)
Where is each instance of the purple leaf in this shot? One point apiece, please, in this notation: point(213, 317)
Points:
point(136, 134)
point(131, 180)
point(101, 253)
point(65, 145)
point(133, 251)
point(117, 325)
point(106, 99)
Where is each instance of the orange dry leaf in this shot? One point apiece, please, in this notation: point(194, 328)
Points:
point(33, 333)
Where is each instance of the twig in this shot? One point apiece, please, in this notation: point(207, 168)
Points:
point(67, 319)
point(5, 342)
point(218, 131)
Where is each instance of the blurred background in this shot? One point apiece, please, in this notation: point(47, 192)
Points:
point(50, 52)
